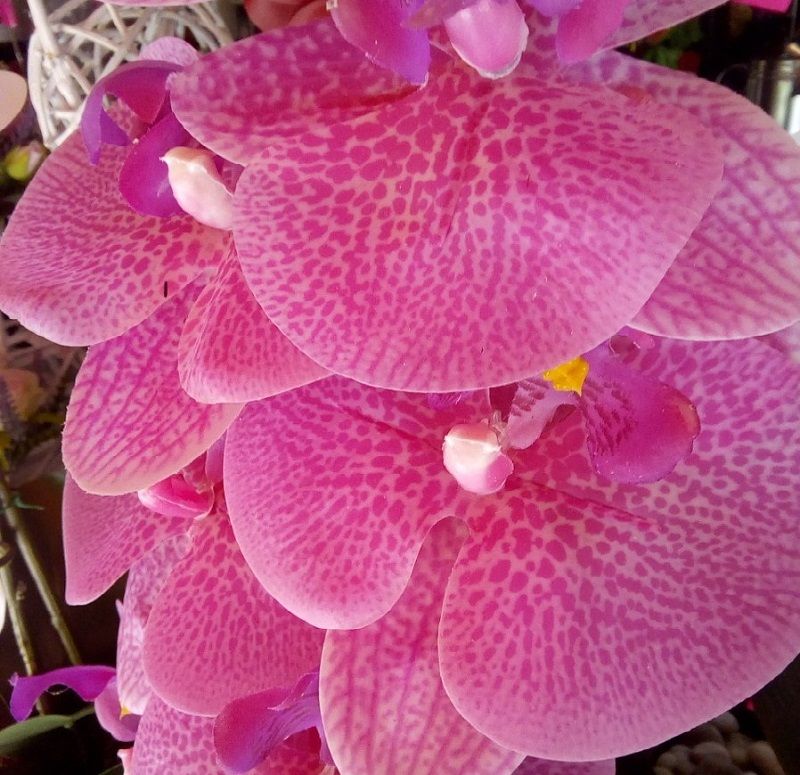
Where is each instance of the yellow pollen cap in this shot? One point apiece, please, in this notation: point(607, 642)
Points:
point(568, 377)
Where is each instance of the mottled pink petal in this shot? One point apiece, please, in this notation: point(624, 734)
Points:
point(380, 29)
point(533, 766)
point(489, 35)
point(93, 268)
point(638, 429)
point(270, 88)
point(419, 248)
point(104, 536)
point(347, 475)
point(583, 30)
point(214, 634)
point(170, 49)
point(432, 12)
point(644, 17)
point(230, 351)
point(145, 580)
point(786, 341)
point(129, 423)
point(383, 704)
point(109, 714)
point(739, 274)
point(554, 7)
point(85, 680)
point(143, 180)
point(585, 620)
point(169, 741)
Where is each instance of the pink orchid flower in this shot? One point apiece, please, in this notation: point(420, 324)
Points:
point(354, 253)
point(577, 617)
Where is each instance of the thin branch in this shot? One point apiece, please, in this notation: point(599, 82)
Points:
point(29, 555)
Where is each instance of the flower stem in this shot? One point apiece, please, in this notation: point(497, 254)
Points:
point(29, 555)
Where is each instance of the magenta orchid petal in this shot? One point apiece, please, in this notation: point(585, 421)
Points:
point(489, 35)
point(533, 766)
point(380, 29)
point(644, 17)
point(145, 580)
point(93, 268)
point(380, 686)
point(770, 5)
point(129, 423)
point(554, 7)
point(250, 729)
point(638, 429)
point(786, 341)
point(109, 714)
point(169, 741)
point(230, 351)
point(208, 631)
point(170, 49)
point(141, 86)
point(88, 681)
point(104, 536)
point(580, 613)
point(270, 88)
point(350, 476)
point(583, 30)
point(731, 258)
point(143, 180)
point(415, 250)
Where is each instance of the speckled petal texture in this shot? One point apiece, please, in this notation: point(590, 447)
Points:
point(331, 490)
point(533, 766)
point(104, 536)
point(214, 634)
point(474, 233)
point(129, 422)
point(169, 741)
point(231, 352)
point(383, 704)
point(269, 88)
point(644, 17)
point(145, 580)
point(585, 620)
point(739, 274)
point(78, 266)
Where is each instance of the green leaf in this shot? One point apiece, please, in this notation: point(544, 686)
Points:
point(18, 735)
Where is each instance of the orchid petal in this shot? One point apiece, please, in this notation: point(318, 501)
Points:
point(534, 406)
point(533, 766)
point(489, 35)
point(230, 351)
point(104, 536)
point(214, 634)
point(129, 423)
point(644, 17)
point(250, 729)
point(786, 341)
point(143, 180)
point(141, 86)
point(739, 274)
point(380, 29)
point(638, 429)
point(145, 580)
point(779, 6)
point(170, 49)
point(418, 250)
point(580, 613)
point(554, 7)
point(583, 30)
point(109, 714)
point(93, 268)
point(270, 88)
point(350, 476)
point(87, 681)
point(380, 686)
point(433, 12)
point(169, 741)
